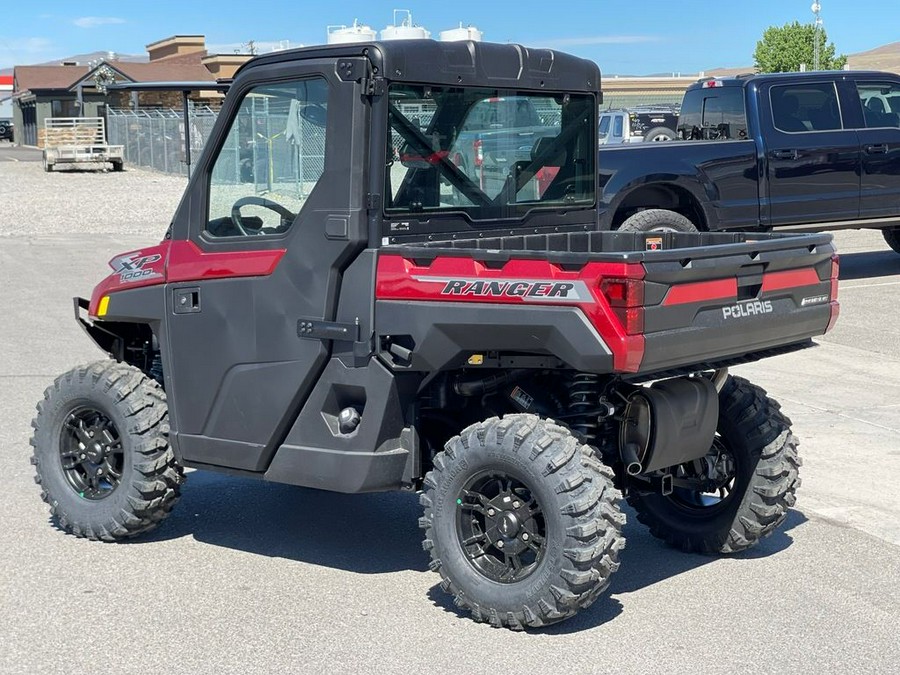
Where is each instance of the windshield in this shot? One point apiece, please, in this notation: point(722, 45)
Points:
point(604, 126)
point(487, 153)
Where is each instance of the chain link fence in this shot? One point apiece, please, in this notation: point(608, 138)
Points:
point(154, 138)
point(259, 153)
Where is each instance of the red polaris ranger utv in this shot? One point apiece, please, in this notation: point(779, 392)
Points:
point(337, 304)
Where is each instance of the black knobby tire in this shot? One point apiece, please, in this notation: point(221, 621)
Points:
point(133, 408)
point(659, 134)
point(657, 220)
point(580, 518)
point(758, 437)
point(892, 237)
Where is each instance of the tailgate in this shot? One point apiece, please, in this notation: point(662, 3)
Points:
point(726, 301)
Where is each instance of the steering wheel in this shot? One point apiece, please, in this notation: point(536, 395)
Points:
point(286, 216)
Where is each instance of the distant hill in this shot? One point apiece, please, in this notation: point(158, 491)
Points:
point(886, 57)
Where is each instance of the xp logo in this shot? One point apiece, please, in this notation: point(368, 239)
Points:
point(134, 266)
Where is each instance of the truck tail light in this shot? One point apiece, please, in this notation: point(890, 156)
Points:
point(478, 152)
point(626, 299)
point(835, 305)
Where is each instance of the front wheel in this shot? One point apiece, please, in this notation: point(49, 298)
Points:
point(657, 220)
point(892, 237)
point(521, 522)
point(101, 452)
point(741, 490)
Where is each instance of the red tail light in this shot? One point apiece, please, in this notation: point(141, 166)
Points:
point(835, 306)
point(478, 152)
point(626, 299)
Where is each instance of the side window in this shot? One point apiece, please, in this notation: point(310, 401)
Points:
point(713, 114)
point(271, 160)
point(880, 103)
point(618, 126)
point(805, 107)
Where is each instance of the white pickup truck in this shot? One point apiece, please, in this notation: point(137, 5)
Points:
point(81, 141)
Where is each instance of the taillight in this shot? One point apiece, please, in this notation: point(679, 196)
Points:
point(835, 306)
point(479, 153)
point(626, 299)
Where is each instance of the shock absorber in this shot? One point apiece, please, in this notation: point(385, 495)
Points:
point(584, 400)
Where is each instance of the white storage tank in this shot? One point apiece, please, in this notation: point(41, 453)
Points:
point(461, 33)
point(405, 29)
point(345, 34)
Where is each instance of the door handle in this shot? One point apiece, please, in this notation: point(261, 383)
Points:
point(876, 149)
point(785, 154)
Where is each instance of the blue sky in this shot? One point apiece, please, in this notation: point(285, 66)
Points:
point(652, 36)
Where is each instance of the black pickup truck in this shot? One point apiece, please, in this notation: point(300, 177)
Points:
point(798, 151)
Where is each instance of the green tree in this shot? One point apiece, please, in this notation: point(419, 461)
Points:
point(782, 49)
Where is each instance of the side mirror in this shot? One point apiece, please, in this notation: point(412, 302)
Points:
point(315, 114)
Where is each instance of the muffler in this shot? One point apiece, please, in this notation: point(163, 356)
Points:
point(669, 423)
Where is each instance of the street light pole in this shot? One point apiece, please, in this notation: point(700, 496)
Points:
point(817, 55)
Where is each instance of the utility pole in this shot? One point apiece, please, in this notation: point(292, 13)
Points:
point(817, 35)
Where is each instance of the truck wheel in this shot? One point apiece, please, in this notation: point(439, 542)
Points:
point(892, 237)
point(48, 166)
point(521, 522)
point(741, 491)
point(118, 166)
point(657, 220)
point(659, 134)
point(101, 452)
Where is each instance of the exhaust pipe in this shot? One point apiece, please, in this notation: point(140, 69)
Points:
point(669, 423)
point(633, 465)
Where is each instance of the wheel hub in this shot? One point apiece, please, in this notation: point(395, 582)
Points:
point(500, 527)
point(508, 525)
point(91, 453)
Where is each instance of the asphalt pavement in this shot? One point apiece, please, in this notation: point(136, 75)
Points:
point(10, 152)
point(249, 577)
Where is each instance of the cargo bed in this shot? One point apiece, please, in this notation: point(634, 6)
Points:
point(657, 302)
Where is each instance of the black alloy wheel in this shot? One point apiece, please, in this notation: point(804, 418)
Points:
point(90, 449)
point(500, 526)
point(741, 490)
point(706, 485)
point(521, 521)
point(101, 452)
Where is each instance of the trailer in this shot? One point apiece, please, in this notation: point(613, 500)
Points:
point(80, 141)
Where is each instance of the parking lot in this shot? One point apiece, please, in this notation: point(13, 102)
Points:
point(250, 577)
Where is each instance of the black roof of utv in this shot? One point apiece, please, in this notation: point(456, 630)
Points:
point(462, 63)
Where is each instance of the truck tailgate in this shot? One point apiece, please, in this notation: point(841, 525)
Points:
point(705, 305)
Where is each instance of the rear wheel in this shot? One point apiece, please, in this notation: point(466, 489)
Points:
point(741, 491)
point(101, 452)
point(892, 237)
point(657, 220)
point(521, 522)
point(657, 134)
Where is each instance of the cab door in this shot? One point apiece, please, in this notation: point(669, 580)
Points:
point(878, 102)
point(271, 218)
point(812, 159)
